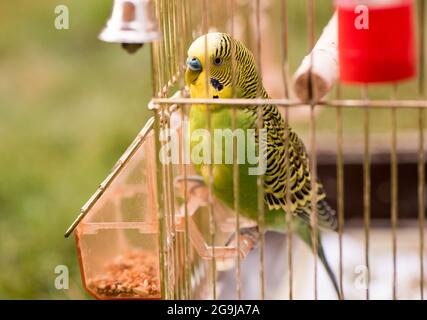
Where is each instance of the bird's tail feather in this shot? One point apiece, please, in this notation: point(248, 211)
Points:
point(329, 271)
point(304, 232)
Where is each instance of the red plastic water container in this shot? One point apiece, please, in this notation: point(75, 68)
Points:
point(376, 40)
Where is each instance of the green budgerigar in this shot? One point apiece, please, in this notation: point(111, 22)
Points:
point(215, 80)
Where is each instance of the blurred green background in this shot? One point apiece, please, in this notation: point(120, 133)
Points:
point(69, 107)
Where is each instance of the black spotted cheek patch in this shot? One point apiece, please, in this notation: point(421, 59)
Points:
point(216, 84)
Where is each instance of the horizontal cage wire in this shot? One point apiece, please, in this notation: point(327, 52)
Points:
point(366, 146)
point(182, 22)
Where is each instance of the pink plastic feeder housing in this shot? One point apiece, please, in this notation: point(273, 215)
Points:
point(376, 40)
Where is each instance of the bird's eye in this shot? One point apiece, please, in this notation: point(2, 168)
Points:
point(217, 61)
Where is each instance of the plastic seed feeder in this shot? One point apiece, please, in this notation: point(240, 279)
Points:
point(376, 40)
point(117, 239)
point(131, 240)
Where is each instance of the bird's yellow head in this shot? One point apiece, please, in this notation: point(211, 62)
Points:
point(211, 60)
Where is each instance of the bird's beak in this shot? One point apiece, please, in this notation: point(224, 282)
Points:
point(194, 67)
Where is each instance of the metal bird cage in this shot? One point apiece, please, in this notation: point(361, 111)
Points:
point(155, 231)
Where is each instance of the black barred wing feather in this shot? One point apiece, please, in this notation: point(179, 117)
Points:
point(278, 171)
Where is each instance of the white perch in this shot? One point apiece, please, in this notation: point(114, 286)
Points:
point(324, 57)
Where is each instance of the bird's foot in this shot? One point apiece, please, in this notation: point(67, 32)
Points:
point(194, 184)
point(194, 180)
point(248, 239)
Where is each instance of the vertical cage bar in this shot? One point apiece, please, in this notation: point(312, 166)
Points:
point(285, 67)
point(156, 76)
point(189, 20)
point(174, 40)
point(154, 68)
point(167, 211)
point(394, 189)
point(165, 61)
point(182, 38)
point(169, 13)
point(160, 206)
point(236, 200)
point(157, 69)
point(422, 47)
point(313, 151)
point(172, 26)
point(181, 264)
point(236, 175)
point(285, 47)
point(340, 190)
point(260, 177)
point(156, 54)
point(313, 217)
point(212, 228)
point(421, 193)
point(172, 225)
point(163, 47)
point(185, 18)
point(183, 30)
point(289, 213)
point(156, 81)
point(184, 159)
point(366, 187)
point(175, 241)
point(421, 157)
point(168, 31)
